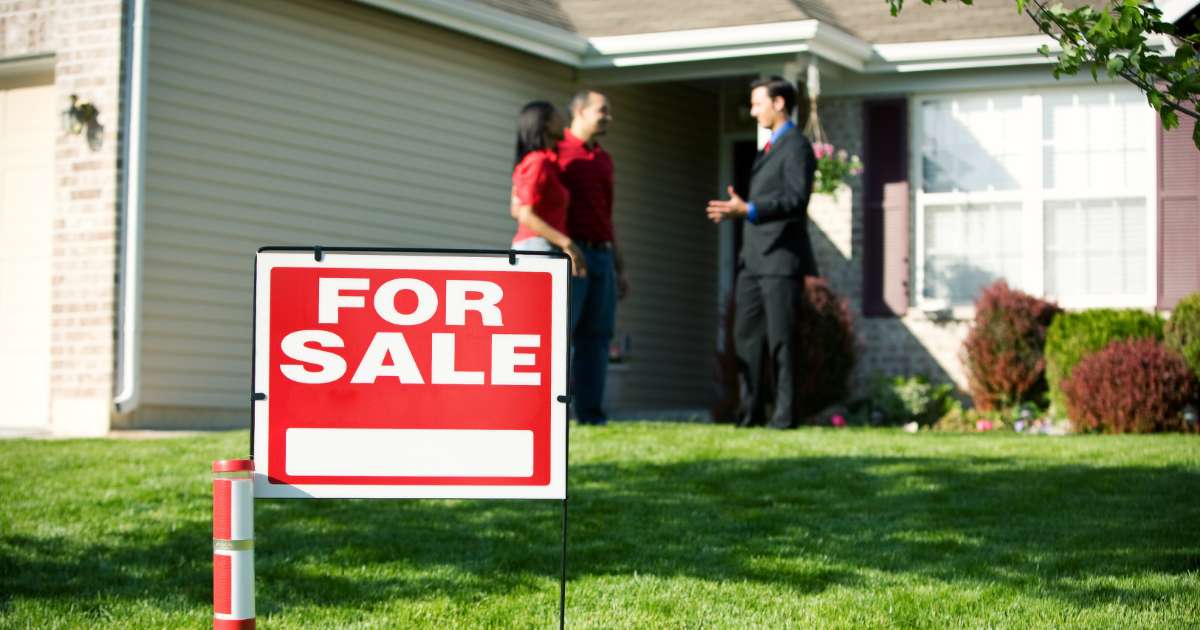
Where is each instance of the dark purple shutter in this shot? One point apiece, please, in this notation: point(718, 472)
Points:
point(1178, 214)
point(885, 208)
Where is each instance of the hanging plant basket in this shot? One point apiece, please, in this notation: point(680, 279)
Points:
point(834, 166)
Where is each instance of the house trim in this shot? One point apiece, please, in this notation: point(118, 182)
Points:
point(729, 42)
point(493, 25)
point(1173, 10)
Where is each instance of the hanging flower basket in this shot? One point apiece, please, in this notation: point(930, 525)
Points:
point(833, 167)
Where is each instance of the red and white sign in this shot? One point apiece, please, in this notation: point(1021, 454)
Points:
point(405, 375)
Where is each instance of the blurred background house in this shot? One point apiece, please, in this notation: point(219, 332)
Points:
point(216, 127)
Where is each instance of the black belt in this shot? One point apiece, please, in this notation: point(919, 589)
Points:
point(593, 244)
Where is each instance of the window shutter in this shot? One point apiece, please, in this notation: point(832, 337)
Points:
point(895, 247)
point(1178, 214)
point(885, 208)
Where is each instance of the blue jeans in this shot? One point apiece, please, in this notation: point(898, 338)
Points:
point(593, 315)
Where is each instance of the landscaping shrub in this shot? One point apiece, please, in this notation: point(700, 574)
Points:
point(904, 399)
point(1131, 386)
point(725, 407)
point(1072, 336)
point(1004, 353)
point(828, 348)
point(959, 419)
point(1182, 332)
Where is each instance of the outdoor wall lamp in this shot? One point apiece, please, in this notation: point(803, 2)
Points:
point(83, 116)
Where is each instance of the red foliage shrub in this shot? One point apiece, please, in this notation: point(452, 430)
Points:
point(1003, 353)
point(725, 407)
point(828, 350)
point(1131, 386)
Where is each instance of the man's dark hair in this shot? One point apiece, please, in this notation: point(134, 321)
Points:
point(531, 128)
point(580, 99)
point(778, 86)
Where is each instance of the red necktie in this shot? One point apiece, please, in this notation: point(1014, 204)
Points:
point(767, 146)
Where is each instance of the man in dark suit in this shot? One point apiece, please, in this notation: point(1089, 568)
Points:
point(776, 255)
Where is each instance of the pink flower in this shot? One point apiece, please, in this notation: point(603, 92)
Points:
point(837, 421)
point(983, 425)
point(822, 149)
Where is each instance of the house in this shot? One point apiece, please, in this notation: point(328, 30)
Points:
point(212, 128)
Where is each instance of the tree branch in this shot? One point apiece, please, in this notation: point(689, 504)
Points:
point(1125, 73)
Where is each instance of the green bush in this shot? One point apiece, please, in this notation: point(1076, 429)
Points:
point(904, 399)
point(1182, 332)
point(1072, 336)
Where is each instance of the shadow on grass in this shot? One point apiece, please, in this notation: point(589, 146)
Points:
point(804, 524)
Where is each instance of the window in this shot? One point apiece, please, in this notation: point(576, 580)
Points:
point(1051, 191)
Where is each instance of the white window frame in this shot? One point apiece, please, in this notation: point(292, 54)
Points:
point(1032, 199)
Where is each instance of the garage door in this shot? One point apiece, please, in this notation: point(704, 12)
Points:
point(27, 128)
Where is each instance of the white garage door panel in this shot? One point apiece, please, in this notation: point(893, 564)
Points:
point(27, 127)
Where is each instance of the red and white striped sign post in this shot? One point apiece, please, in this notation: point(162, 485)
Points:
point(233, 544)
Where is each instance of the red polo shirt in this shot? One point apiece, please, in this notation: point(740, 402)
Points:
point(536, 182)
point(588, 175)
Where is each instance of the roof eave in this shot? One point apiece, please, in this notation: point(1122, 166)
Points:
point(494, 25)
point(728, 42)
point(723, 43)
point(992, 52)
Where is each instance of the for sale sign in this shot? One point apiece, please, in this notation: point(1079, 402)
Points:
point(396, 374)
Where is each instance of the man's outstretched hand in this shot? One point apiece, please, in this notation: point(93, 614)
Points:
point(734, 208)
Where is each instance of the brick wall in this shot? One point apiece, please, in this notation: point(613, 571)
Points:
point(85, 37)
point(913, 344)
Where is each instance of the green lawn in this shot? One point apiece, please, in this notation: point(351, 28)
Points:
point(672, 526)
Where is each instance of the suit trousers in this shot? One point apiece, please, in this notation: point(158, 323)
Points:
point(765, 330)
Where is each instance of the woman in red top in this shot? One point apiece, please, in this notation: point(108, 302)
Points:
point(539, 200)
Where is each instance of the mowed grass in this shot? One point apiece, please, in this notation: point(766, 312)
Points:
point(671, 526)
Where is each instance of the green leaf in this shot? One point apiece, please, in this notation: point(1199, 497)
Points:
point(1125, 23)
point(1170, 119)
point(1196, 135)
point(1155, 100)
point(1103, 26)
point(1020, 7)
point(1115, 65)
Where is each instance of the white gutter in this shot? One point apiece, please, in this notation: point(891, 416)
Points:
point(1172, 10)
point(129, 279)
point(973, 53)
point(962, 53)
point(726, 43)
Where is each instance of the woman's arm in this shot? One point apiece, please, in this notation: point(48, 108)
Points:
point(525, 215)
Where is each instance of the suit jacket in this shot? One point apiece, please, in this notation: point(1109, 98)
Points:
point(781, 181)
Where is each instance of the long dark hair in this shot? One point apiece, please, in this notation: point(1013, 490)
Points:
point(531, 128)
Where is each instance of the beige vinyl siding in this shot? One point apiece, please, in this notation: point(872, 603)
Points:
point(665, 148)
point(295, 123)
point(298, 123)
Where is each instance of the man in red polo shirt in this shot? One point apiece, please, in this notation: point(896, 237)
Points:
point(587, 172)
